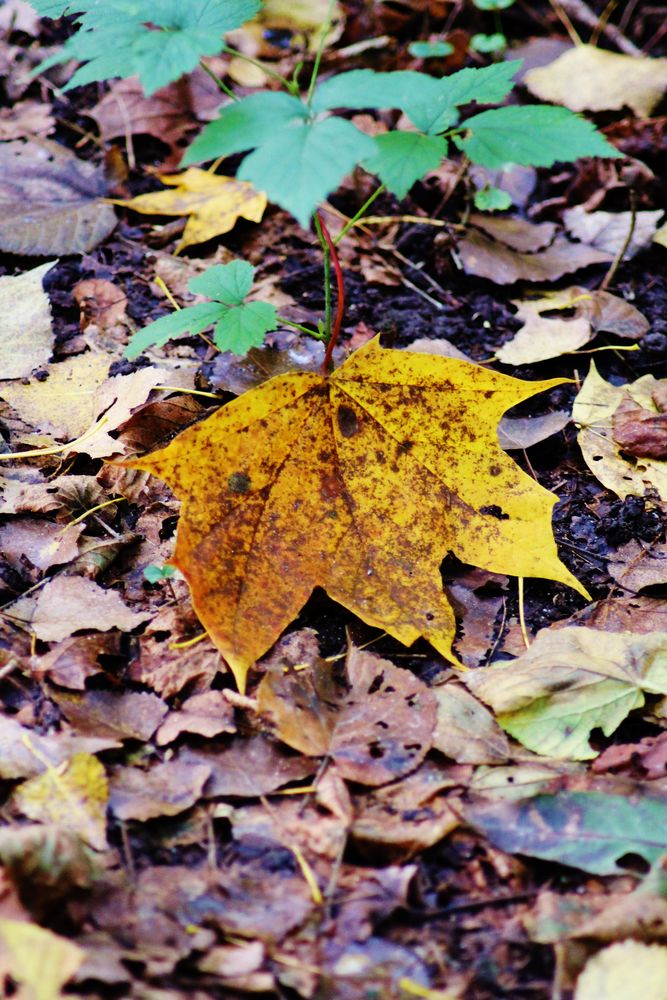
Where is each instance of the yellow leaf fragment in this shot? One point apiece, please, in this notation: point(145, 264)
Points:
point(72, 795)
point(26, 337)
point(628, 970)
point(213, 203)
point(603, 81)
point(361, 483)
point(40, 961)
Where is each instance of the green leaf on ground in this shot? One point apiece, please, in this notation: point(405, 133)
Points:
point(537, 136)
point(587, 830)
point(571, 681)
point(403, 158)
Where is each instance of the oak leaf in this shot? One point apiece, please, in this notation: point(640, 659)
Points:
point(213, 203)
point(360, 482)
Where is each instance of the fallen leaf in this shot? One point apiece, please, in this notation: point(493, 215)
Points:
point(523, 432)
point(627, 613)
point(213, 203)
point(388, 450)
point(167, 671)
point(73, 796)
point(50, 860)
point(571, 681)
point(544, 336)
point(516, 233)
point(636, 565)
point(405, 817)
point(101, 302)
point(41, 543)
point(51, 201)
point(465, 730)
point(606, 81)
point(206, 714)
point(168, 114)
point(587, 830)
point(118, 715)
point(376, 726)
point(39, 960)
point(18, 15)
point(639, 431)
point(627, 970)
point(163, 790)
point(77, 391)
point(608, 231)
point(496, 261)
point(249, 767)
point(593, 411)
point(68, 604)
point(25, 120)
point(26, 337)
point(646, 759)
point(25, 753)
point(70, 663)
point(660, 235)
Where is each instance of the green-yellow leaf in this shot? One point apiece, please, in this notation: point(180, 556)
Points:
point(359, 482)
point(571, 681)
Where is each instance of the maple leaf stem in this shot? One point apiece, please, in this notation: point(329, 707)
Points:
point(332, 254)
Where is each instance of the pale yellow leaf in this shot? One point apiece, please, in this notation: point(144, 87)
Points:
point(40, 961)
point(628, 970)
point(26, 337)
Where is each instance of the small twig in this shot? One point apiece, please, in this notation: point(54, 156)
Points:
point(581, 12)
point(616, 263)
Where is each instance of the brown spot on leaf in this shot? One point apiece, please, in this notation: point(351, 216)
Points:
point(348, 423)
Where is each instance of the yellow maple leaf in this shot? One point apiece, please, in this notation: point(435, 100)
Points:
point(359, 482)
point(213, 202)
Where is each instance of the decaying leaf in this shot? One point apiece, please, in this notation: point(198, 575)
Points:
point(213, 203)
point(40, 961)
point(588, 830)
point(73, 795)
point(26, 337)
point(376, 727)
point(627, 970)
point(249, 767)
point(524, 432)
point(359, 482)
point(544, 336)
point(121, 715)
point(605, 81)
point(636, 565)
point(594, 410)
point(571, 681)
point(70, 603)
point(51, 202)
point(639, 431)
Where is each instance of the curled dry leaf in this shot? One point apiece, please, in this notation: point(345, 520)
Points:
point(213, 203)
point(376, 726)
point(594, 410)
point(608, 231)
point(68, 604)
point(358, 482)
point(571, 681)
point(51, 202)
point(26, 337)
point(639, 431)
point(605, 81)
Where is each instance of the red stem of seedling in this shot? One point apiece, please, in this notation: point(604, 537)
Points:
point(340, 305)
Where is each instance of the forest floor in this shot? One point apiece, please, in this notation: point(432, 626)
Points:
point(167, 826)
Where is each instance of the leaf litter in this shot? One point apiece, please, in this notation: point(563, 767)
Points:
point(323, 833)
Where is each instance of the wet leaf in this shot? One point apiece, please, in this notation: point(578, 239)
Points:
point(73, 795)
point(40, 961)
point(50, 201)
point(213, 203)
point(628, 970)
point(587, 830)
point(26, 337)
point(606, 81)
point(594, 410)
point(389, 449)
point(571, 681)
